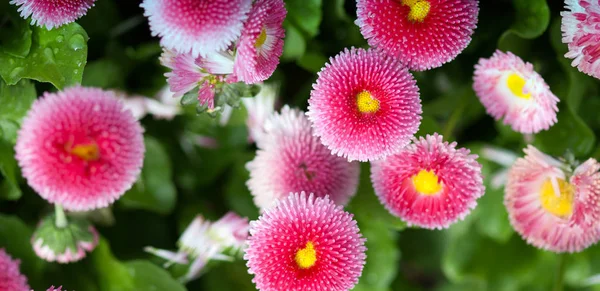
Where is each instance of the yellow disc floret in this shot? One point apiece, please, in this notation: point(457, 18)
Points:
point(262, 37)
point(559, 204)
point(426, 182)
point(307, 256)
point(87, 152)
point(516, 85)
point(366, 103)
point(419, 9)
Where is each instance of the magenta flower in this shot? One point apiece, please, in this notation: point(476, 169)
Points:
point(52, 13)
point(261, 43)
point(431, 183)
point(291, 159)
point(10, 276)
point(305, 243)
point(365, 105)
point(581, 31)
point(80, 148)
point(196, 27)
point(422, 34)
point(509, 88)
point(551, 206)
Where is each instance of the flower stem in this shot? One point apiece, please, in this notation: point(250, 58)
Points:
point(61, 218)
point(560, 273)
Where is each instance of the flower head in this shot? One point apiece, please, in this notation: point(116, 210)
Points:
point(509, 88)
point(197, 27)
point(552, 207)
point(291, 159)
point(364, 105)
point(422, 34)
point(580, 30)
point(430, 183)
point(52, 13)
point(305, 243)
point(54, 289)
point(80, 148)
point(10, 276)
point(261, 43)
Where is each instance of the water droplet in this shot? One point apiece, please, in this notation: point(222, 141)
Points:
point(77, 42)
point(59, 38)
point(16, 71)
point(49, 55)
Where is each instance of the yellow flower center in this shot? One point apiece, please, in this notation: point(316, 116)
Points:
point(307, 256)
point(262, 37)
point(426, 182)
point(419, 9)
point(560, 205)
point(87, 152)
point(366, 103)
point(516, 85)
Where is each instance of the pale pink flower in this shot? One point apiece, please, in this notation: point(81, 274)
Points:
point(581, 31)
point(259, 108)
point(52, 13)
point(10, 276)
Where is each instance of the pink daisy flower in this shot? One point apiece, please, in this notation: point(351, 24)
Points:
point(510, 89)
point(261, 43)
point(552, 206)
point(197, 27)
point(365, 105)
point(422, 34)
point(581, 31)
point(80, 148)
point(52, 13)
point(188, 73)
point(291, 159)
point(10, 276)
point(260, 108)
point(305, 243)
point(430, 184)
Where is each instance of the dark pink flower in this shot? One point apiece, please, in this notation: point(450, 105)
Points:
point(80, 148)
point(198, 27)
point(10, 276)
point(305, 243)
point(365, 105)
point(422, 34)
point(430, 183)
point(261, 43)
point(581, 31)
point(52, 13)
point(291, 159)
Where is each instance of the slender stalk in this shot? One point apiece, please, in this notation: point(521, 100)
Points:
point(560, 273)
point(61, 218)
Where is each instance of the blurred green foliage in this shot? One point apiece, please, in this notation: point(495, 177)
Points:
point(181, 178)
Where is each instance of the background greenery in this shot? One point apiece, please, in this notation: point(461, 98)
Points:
point(111, 47)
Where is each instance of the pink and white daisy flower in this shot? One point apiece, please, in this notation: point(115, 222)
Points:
point(52, 13)
point(188, 73)
point(80, 148)
point(581, 31)
point(260, 108)
point(203, 241)
point(510, 89)
point(261, 43)
point(365, 105)
point(305, 243)
point(553, 207)
point(10, 276)
point(422, 34)
point(196, 27)
point(291, 159)
point(430, 184)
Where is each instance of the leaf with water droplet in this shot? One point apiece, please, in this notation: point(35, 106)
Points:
point(53, 57)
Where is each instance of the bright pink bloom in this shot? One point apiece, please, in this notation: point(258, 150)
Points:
point(365, 105)
point(550, 205)
point(431, 183)
point(509, 88)
point(188, 73)
point(261, 43)
point(305, 243)
point(291, 159)
point(80, 148)
point(581, 31)
point(198, 27)
point(52, 13)
point(422, 34)
point(10, 276)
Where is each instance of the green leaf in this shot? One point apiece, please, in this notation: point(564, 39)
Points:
point(294, 44)
point(15, 239)
point(15, 35)
point(305, 15)
point(147, 276)
point(9, 189)
point(569, 133)
point(57, 56)
point(15, 101)
point(112, 274)
point(104, 73)
point(154, 191)
point(531, 19)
